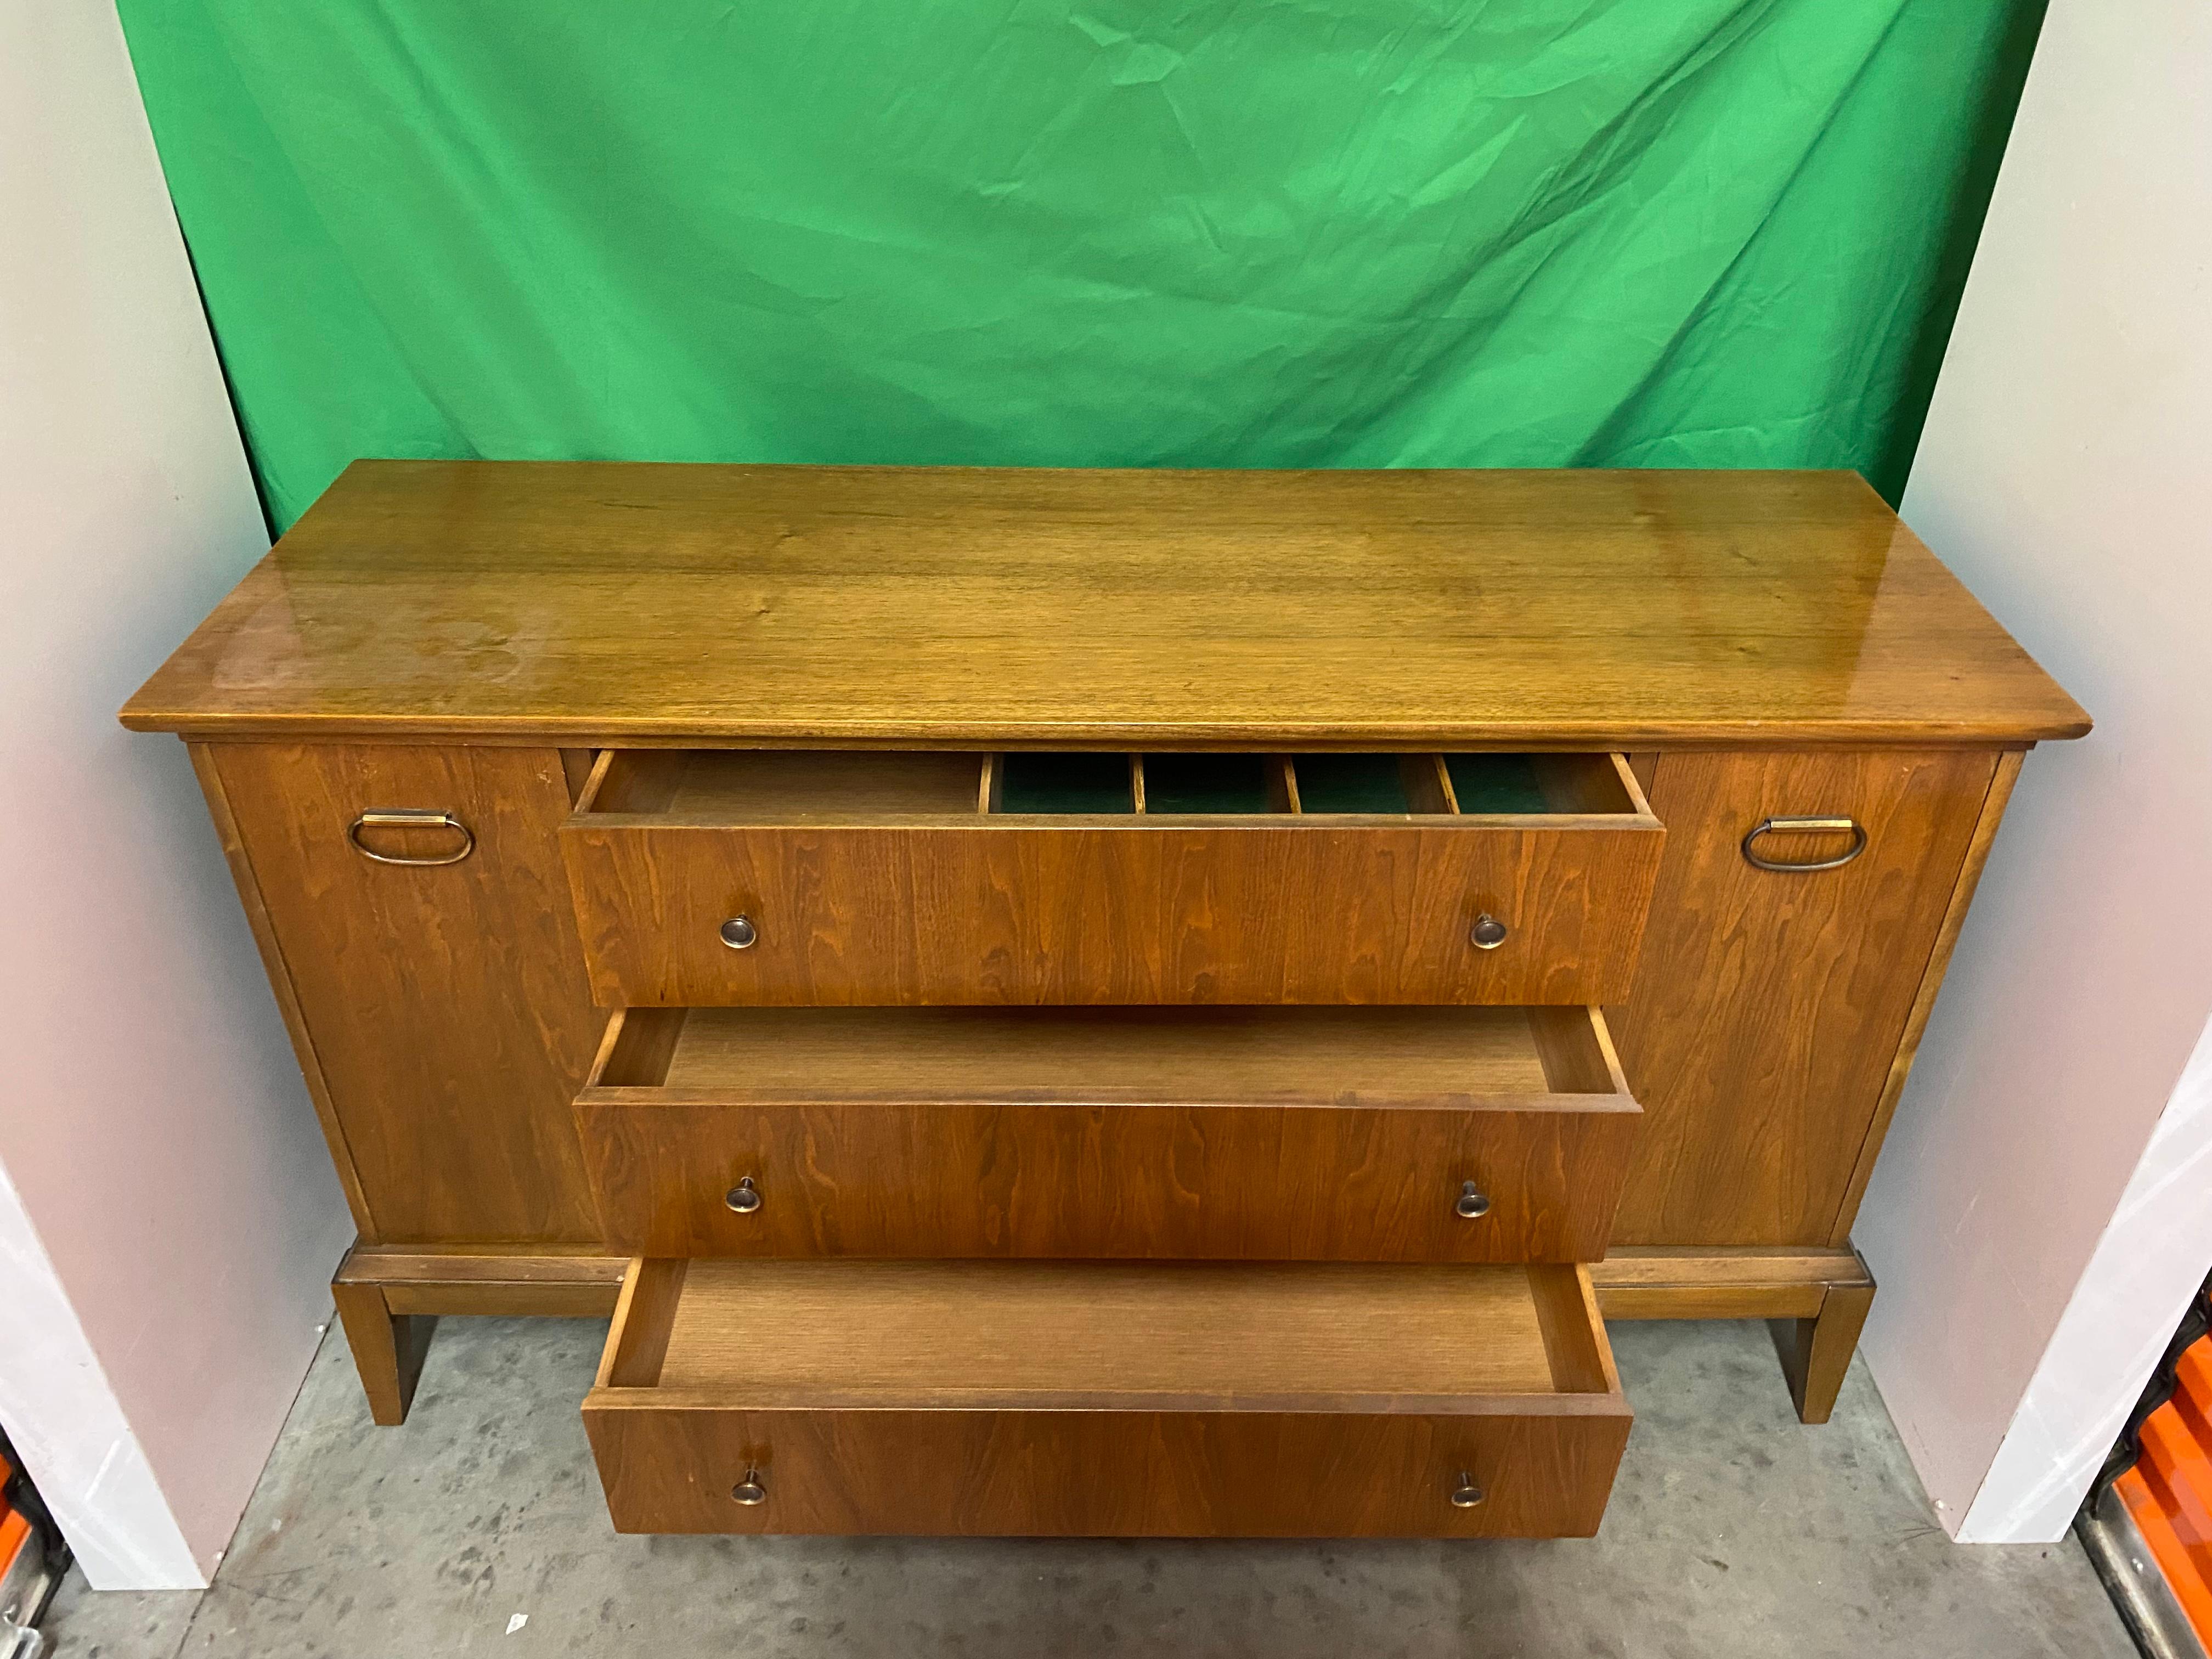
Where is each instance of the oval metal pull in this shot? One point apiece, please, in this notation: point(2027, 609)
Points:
point(1487, 933)
point(1473, 1202)
point(408, 818)
point(744, 1198)
point(750, 1491)
point(1465, 1493)
point(740, 934)
point(1851, 827)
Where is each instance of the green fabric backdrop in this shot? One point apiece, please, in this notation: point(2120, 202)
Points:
point(1240, 233)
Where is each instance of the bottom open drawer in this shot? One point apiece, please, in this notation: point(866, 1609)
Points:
point(1171, 1399)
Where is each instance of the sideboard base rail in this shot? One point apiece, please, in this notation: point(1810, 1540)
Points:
point(389, 1296)
point(1816, 1299)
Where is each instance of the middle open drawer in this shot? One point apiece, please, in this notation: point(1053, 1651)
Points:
point(1347, 1135)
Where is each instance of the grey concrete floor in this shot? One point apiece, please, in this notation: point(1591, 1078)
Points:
point(1734, 1531)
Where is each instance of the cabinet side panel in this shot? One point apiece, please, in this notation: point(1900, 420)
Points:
point(1931, 981)
point(445, 1005)
point(1770, 1005)
point(279, 983)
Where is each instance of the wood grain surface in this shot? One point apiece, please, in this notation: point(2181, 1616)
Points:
point(1742, 1281)
point(1216, 1056)
point(1085, 1334)
point(1924, 1001)
point(264, 928)
point(1119, 1474)
point(562, 1281)
point(589, 602)
point(993, 912)
point(1253, 1133)
point(1770, 1005)
point(1815, 1353)
point(1091, 1400)
point(445, 1007)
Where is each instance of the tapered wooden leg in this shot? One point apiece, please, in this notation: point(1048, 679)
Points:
point(387, 1348)
point(1816, 1352)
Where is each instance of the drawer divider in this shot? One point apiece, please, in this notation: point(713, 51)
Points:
point(1576, 1051)
point(1444, 790)
point(1428, 788)
point(1566, 1311)
point(645, 1315)
point(640, 1044)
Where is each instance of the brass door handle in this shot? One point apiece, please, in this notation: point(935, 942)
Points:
point(408, 818)
point(744, 1198)
point(1465, 1493)
point(750, 1489)
point(1851, 827)
point(1474, 1203)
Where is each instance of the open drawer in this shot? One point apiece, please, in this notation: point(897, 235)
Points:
point(734, 877)
point(1347, 1135)
point(1094, 1399)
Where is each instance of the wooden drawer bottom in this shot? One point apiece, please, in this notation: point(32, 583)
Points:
point(1182, 1400)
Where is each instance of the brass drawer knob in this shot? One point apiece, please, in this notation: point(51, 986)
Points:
point(1465, 1493)
point(749, 1491)
point(744, 1198)
point(739, 933)
point(1473, 1202)
point(1487, 933)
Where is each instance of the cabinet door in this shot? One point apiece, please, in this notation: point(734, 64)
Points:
point(1769, 1006)
point(442, 1013)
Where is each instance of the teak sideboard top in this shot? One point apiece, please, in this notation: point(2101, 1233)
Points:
point(758, 605)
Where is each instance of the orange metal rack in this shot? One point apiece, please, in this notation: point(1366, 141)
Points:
point(2168, 1493)
point(32, 1562)
point(2148, 1525)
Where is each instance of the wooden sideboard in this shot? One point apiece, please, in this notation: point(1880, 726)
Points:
point(1159, 1003)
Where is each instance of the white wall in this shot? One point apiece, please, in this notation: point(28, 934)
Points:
point(168, 1220)
point(2035, 1226)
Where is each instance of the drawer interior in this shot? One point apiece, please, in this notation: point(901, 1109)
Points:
point(767, 786)
point(1562, 1057)
point(1083, 784)
point(773, 786)
point(1201, 783)
point(1053, 1335)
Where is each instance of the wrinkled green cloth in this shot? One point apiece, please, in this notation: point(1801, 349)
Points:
point(1224, 232)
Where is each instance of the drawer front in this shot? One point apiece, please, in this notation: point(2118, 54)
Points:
point(1254, 1182)
point(1107, 1473)
point(1184, 1400)
point(1349, 1134)
point(1003, 915)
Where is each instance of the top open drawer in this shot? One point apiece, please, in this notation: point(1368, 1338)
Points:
point(793, 878)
